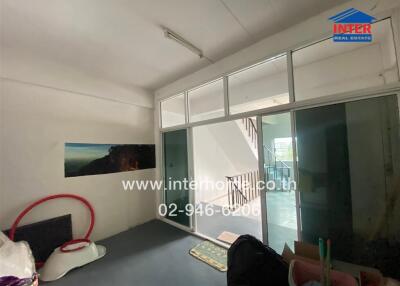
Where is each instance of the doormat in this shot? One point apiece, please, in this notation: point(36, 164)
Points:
point(228, 237)
point(212, 254)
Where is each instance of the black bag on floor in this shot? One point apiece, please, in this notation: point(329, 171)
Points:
point(251, 263)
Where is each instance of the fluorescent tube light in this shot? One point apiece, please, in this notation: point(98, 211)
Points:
point(173, 36)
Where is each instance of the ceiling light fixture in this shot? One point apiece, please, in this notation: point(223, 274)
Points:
point(175, 37)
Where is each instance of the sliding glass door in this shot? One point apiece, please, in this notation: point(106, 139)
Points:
point(176, 192)
point(349, 180)
point(331, 171)
point(225, 165)
point(345, 159)
point(279, 176)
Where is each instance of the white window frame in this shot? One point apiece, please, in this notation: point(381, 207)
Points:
point(292, 106)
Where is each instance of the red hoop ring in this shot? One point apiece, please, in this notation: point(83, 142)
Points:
point(59, 196)
point(75, 241)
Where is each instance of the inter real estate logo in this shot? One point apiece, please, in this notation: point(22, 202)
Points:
point(352, 25)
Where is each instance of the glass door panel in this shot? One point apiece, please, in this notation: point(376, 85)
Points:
point(349, 180)
point(176, 194)
point(226, 168)
point(279, 176)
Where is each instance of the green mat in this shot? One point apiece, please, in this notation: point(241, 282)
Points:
point(211, 254)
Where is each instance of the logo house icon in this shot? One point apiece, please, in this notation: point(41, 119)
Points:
point(352, 25)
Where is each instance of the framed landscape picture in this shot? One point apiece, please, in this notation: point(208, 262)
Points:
point(82, 159)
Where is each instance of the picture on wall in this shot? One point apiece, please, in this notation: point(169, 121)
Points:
point(83, 159)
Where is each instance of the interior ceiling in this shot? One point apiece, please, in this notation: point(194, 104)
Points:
point(122, 40)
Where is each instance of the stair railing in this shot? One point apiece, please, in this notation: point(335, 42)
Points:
point(281, 169)
point(275, 168)
point(242, 189)
point(251, 130)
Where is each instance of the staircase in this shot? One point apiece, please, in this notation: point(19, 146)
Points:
point(249, 131)
point(242, 188)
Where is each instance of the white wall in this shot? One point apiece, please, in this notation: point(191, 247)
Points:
point(28, 67)
point(43, 105)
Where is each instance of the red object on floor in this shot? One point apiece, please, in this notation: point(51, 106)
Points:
point(53, 197)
